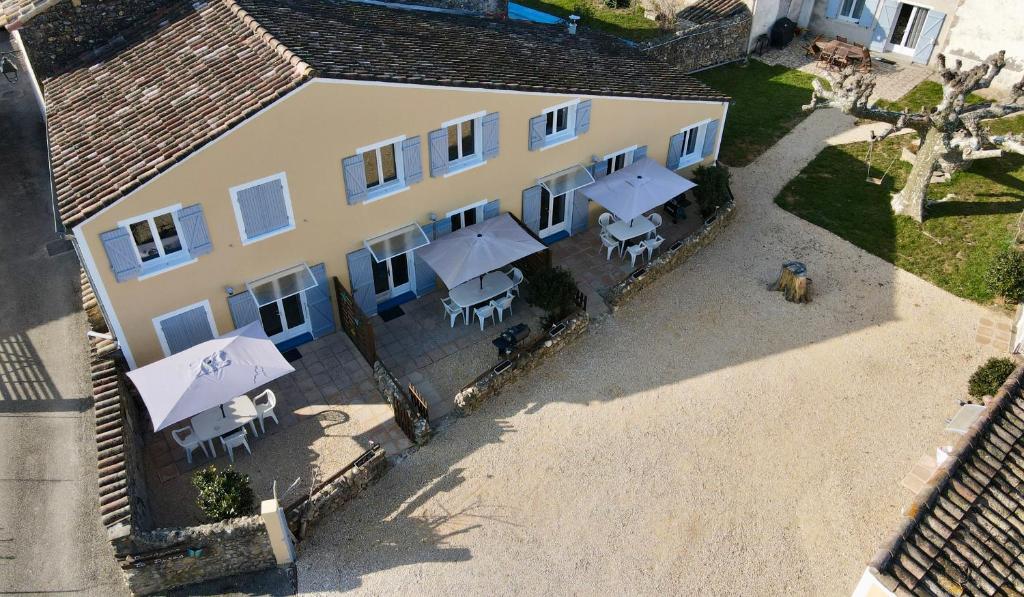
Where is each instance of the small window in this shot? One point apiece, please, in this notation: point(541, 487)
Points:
point(693, 142)
point(466, 216)
point(156, 237)
point(618, 160)
point(851, 9)
point(383, 167)
point(463, 140)
point(560, 122)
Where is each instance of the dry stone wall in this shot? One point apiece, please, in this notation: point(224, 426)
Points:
point(705, 45)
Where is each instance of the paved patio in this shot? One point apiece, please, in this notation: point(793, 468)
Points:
point(329, 411)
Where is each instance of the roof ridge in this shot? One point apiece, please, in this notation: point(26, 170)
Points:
point(302, 68)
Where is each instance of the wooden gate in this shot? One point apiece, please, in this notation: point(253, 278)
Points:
point(355, 324)
point(407, 415)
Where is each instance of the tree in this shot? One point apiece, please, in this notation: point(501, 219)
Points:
point(952, 134)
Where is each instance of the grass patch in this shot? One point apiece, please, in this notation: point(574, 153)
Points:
point(766, 105)
point(960, 237)
point(628, 23)
point(927, 94)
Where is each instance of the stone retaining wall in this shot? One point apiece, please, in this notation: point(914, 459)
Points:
point(706, 45)
point(388, 386)
point(670, 259)
point(491, 383)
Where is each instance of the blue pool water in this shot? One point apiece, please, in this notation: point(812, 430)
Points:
point(525, 13)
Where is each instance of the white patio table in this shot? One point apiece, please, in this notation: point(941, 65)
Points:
point(622, 231)
point(472, 292)
point(213, 423)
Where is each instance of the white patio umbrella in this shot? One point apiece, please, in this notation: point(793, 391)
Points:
point(208, 374)
point(473, 251)
point(638, 188)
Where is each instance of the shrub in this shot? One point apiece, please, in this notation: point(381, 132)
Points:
point(223, 494)
point(987, 379)
point(585, 11)
point(1006, 275)
point(712, 190)
point(553, 290)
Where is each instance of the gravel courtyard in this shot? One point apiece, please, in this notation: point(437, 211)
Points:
point(709, 438)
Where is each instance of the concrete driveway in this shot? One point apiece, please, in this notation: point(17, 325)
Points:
point(51, 540)
point(710, 439)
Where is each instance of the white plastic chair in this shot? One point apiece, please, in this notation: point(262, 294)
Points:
point(483, 313)
point(235, 440)
point(652, 245)
point(605, 220)
point(517, 278)
point(265, 403)
point(452, 310)
point(186, 438)
point(611, 244)
point(634, 252)
point(501, 305)
point(655, 219)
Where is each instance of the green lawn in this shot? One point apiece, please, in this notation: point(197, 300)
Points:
point(766, 105)
point(927, 94)
point(955, 245)
point(628, 23)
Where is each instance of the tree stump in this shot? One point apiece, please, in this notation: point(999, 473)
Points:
point(793, 282)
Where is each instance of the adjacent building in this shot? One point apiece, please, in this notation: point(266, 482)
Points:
point(219, 164)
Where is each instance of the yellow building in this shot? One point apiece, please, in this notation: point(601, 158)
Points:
point(223, 168)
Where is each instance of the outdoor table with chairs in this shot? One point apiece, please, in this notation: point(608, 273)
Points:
point(839, 53)
point(490, 295)
point(623, 235)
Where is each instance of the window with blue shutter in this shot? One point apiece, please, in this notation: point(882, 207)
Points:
point(580, 213)
point(156, 242)
point(243, 309)
point(318, 303)
point(263, 208)
point(489, 127)
point(531, 208)
point(492, 209)
point(360, 274)
point(185, 329)
point(412, 159)
point(463, 143)
point(121, 253)
point(353, 174)
point(710, 138)
point(675, 150)
point(559, 124)
point(639, 153)
point(194, 230)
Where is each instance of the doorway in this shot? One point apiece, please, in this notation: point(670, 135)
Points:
point(906, 29)
point(285, 318)
point(391, 277)
point(554, 212)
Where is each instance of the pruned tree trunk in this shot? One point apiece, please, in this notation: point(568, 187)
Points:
point(911, 200)
point(793, 282)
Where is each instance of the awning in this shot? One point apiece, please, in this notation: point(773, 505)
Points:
point(566, 180)
point(281, 284)
point(396, 242)
point(638, 188)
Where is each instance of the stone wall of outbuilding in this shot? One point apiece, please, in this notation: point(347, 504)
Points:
point(706, 45)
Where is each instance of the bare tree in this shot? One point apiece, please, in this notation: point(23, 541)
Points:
point(952, 134)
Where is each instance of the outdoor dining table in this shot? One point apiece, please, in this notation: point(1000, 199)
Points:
point(217, 421)
point(475, 291)
point(624, 231)
point(832, 46)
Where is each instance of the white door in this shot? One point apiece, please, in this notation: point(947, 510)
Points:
point(554, 212)
point(906, 29)
point(391, 277)
point(285, 318)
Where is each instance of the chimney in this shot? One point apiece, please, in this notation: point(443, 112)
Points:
point(574, 21)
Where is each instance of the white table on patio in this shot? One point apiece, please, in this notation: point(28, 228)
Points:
point(622, 231)
point(472, 292)
point(213, 423)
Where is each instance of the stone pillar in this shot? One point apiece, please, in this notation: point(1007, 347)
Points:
point(277, 528)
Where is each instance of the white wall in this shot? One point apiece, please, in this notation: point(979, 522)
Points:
point(983, 27)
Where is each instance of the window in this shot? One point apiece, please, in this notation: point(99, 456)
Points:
point(263, 208)
point(851, 9)
point(466, 216)
point(560, 122)
point(618, 160)
point(156, 237)
point(383, 168)
point(463, 140)
point(184, 328)
point(693, 142)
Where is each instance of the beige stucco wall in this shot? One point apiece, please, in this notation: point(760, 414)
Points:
point(982, 28)
point(306, 135)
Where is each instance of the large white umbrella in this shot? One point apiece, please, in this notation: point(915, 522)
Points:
point(473, 251)
point(208, 374)
point(638, 188)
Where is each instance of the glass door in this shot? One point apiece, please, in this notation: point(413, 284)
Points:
point(391, 276)
point(553, 212)
point(284, 318)
point(906, 30)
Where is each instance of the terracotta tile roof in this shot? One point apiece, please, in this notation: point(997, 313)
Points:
point(116, 123)
point(352, 40)
point(964, 534)
point(16, 12)
point(709, 11)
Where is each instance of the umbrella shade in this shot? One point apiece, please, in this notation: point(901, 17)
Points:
point(637, 188)
point(208, 374)
point(475, 250)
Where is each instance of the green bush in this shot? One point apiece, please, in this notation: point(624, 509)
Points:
point(1006, 275)
point(553, 290)
point(223, 494)
point(712, 190)
point(987, 379)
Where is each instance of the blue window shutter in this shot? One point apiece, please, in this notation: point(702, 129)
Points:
point(186, 329)
point(122, 254)
point(883, 25)
point(412, 160)
point(710, 138)
point(537, 129)
point(531, 208)
point(438, 144)
point(580, 213)
point(263, 207)
point(194, 231)
point(491, 209)
point(354, 173)
point(832, 9)
point(675, 151)
point(425, 276)
point(360, 275)
point(491, 136)
point(582, 117)
point(243, 309)
point(867, 15)
point(639, 153)
point(318, 302)
point(599, 169)
point(929, 35)
point(442, 227)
